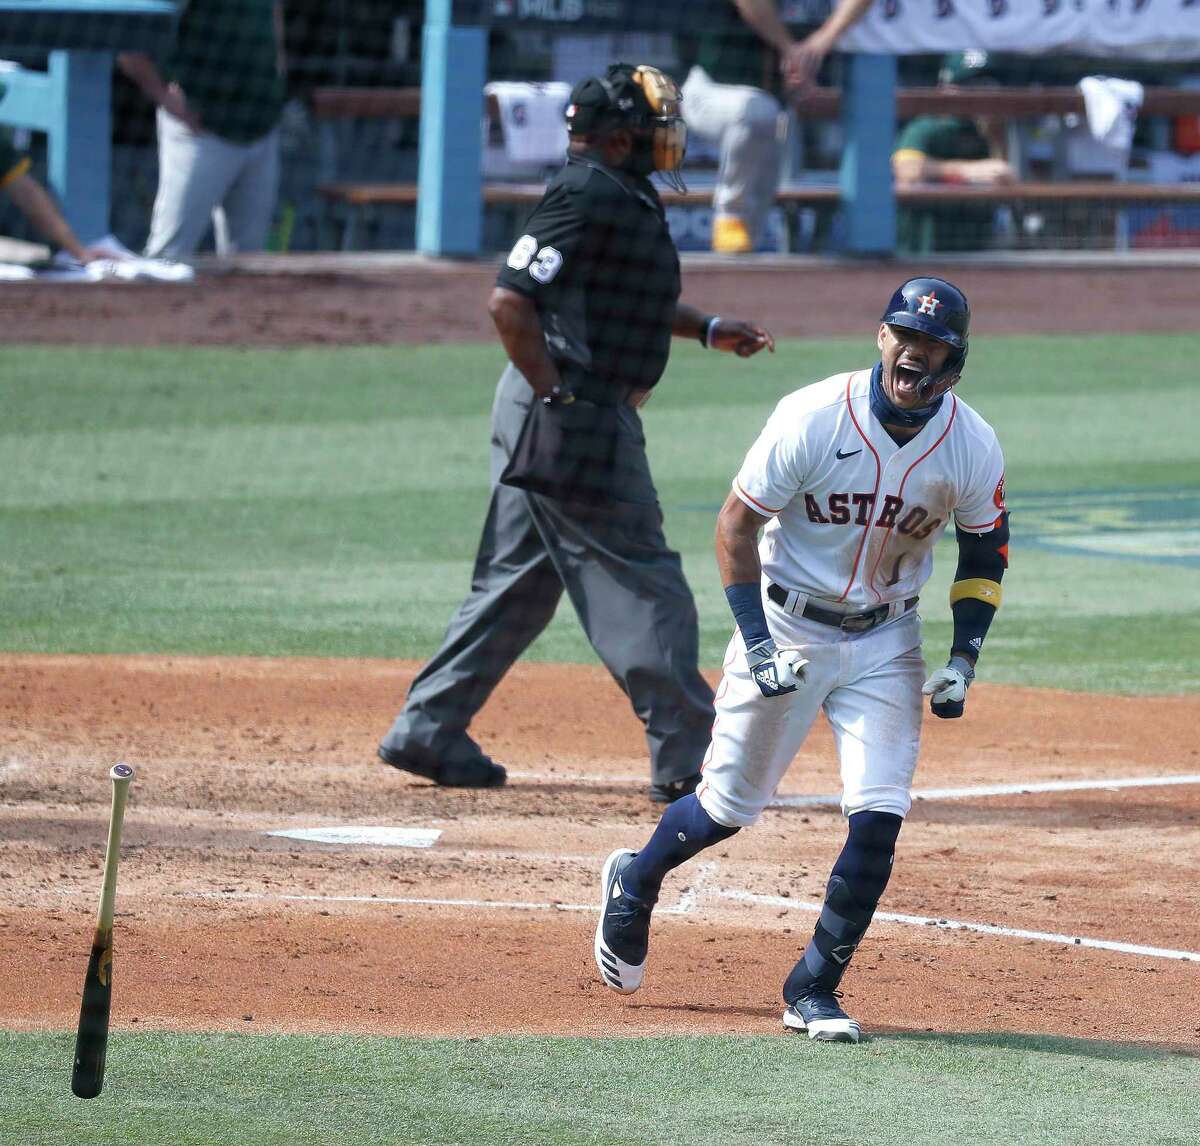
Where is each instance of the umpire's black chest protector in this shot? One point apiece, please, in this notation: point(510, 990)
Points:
point(598, 259)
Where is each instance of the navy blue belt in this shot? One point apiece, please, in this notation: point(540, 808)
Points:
point(847, 622)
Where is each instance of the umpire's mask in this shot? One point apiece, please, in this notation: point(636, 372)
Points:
point(645, 101)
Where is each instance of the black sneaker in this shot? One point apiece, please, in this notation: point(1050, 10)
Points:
point(677, 789)
point(480, 772)
point(623, 933)
point(817, 1011)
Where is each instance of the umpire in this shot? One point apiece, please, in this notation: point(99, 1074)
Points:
point(585, 307)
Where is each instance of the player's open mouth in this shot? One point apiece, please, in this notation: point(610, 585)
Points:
point(908, 377)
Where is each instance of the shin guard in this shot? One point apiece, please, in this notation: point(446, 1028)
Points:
point(851, 896)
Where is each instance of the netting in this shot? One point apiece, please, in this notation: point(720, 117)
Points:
point(337, 87)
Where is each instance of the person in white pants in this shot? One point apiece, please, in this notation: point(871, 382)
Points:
point(220, 96)
point(203, 179)
point(725, 103)
point(851, 483)
point(749, 128)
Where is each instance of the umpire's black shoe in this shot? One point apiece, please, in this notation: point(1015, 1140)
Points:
point(675, 790)
point(623, 933)
point(480, 772)
point(817, 1011)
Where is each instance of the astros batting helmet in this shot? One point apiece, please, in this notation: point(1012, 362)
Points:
point(937, 308)
point(643, 99)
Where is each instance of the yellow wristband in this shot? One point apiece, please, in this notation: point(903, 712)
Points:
point(980, 588)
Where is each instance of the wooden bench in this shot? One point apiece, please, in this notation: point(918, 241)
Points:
point(819, 195)
point(792, 200)
point(357, 196)
point(334, 104)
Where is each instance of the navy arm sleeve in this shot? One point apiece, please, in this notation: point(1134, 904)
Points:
point(983, 555)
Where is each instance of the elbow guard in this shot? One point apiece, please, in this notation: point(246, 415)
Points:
point(982, 556)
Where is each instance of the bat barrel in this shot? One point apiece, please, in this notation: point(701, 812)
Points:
point(91, 1043)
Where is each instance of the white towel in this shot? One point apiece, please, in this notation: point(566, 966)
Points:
point(1112, 107)
point(121, 265)
point(532, 120)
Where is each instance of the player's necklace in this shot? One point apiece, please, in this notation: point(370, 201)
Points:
point(888, 413)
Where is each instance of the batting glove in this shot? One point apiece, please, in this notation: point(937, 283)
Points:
point(775, 670)
point(947, 688)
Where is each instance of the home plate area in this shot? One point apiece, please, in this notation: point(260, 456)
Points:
point(274, 868)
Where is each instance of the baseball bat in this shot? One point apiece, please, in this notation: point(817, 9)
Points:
point(91, 1043)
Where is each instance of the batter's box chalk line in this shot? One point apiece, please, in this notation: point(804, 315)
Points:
point(687, 903)
point(977, 928)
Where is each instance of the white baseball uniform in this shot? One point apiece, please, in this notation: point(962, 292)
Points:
point(854, 520)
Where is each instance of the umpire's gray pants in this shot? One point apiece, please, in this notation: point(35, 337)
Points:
point(627, 588)
point(203, 178)
point(749, 127)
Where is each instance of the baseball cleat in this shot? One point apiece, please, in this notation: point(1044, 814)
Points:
point(479, 772)
point(674, 790)
point(818, 1013)
point(730, 236)
point(623, 933)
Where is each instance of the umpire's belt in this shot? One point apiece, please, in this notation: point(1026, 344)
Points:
point(612, 394)
point(601, 392)
point(847, 622)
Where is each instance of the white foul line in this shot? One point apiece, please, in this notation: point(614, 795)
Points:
point(968, 793)
point(1006, 790)
point(382, 835)
point(980, 928)
point(687, 902)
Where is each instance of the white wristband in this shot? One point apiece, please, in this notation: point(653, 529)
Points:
point(709, 328)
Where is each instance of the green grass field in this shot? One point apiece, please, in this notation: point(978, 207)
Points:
point(228, 1090)
point(328, 502)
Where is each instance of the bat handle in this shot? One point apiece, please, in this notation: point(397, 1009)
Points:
point(121, 775)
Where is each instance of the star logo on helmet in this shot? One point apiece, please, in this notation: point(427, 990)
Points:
point(929, 303)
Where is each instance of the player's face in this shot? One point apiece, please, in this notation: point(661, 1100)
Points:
point(908, 357)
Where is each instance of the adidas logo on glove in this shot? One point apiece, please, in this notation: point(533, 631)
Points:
point(766, 676)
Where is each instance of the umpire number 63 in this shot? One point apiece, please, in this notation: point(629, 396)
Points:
point(543, 264)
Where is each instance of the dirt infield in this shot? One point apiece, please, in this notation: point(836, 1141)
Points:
point(446, 302)
point(221, 926)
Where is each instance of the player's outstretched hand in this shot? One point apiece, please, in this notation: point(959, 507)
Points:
point(947, 688)
point(741, 338)
point(775, 671)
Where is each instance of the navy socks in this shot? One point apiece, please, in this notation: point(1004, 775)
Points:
point(684, 830)
point(855, 887)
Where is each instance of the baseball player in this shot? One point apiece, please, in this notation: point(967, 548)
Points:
point(852, 482)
